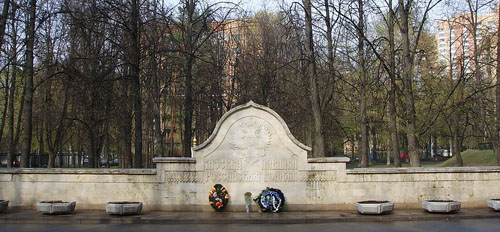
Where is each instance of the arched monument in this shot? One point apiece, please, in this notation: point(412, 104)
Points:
point(251, 148)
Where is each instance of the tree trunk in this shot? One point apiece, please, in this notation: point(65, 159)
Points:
point(108, 151)
point(13, 85)
point(389, 152)
point(372, 156)
point(159, 144)
point(74, 156)
point(455, 148)
point(125, 145)
point(188, 85)
point(12, 89)
point(3, 20)
point(330, 55)
point(79, 145)
point(319, 137)
point(18, 129)
point(407, 75)
point(188, 107)
point(125, 126)
point(28, 85)
point(90, 152)
point(172, 123)
point(496, 137)
point(362, 90)
point(40, 147)
point(5, 108)
point(135, 56)
point(52, 159)
point(393, 130)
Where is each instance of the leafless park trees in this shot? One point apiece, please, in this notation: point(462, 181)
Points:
point(104, 83)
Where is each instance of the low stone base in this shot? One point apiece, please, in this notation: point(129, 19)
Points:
point(374, 207)
point(124, 208)
point(55, 207)
point(3, 205)
point(494, 204)
point(438, 206)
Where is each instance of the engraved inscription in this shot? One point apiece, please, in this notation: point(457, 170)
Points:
point(279, 165)
point(237, 165)
point(250, 176)
point(244, 176)
point(269, 176)
point(223, 165)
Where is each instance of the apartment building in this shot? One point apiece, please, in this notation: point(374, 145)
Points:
point(456, 43)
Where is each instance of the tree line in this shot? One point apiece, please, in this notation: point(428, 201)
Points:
point(135, 79)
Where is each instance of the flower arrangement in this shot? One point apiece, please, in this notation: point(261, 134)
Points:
point(248, 200)
point(218, 197)
point(270, 200)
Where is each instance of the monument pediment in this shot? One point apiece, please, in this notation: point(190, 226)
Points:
point(248, 141)
point(252, 110)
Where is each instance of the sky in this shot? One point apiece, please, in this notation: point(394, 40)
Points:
point(438, 13)
point(256, 5)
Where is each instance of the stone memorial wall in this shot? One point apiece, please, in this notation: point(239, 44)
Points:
point(250, 149)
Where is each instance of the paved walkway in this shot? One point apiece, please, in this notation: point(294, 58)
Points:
point(466, 225)
point(163, 217)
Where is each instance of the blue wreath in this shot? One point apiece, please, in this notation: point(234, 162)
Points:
point(271, 200)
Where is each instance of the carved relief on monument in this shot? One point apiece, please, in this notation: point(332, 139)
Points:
point(250, 137)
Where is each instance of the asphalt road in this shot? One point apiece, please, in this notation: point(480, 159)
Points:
point(471, 225)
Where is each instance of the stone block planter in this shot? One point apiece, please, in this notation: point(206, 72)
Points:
point(55, 207)
point(440, 206)
point(3, 205)
point(374, 207)
point(494, 204)
point(124, 208)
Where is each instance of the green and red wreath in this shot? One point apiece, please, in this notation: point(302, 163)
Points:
point(218, 197)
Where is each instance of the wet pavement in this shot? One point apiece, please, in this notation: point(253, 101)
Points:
point(165, 217)
point(461, 225)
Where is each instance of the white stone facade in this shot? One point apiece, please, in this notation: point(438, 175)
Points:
point(250, 149)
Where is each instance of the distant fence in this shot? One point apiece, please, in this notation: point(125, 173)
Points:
point(64, 159)
point(485, 146)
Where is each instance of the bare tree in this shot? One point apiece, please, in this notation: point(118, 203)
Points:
point(496, 140)
point(196, 25)
point(363, 82)
point(12, 90)
point(135, 55)
point(392, 92)
point(319, 138)
point(28, 85)
point(3, 19)
point(408, 56)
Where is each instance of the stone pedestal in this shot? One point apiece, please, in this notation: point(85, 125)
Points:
point(124, 208)
point(374, 207)
point(439, 206)
point(55, 207)
point(3, 205)
point(494, 204)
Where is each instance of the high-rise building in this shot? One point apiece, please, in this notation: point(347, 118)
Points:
point(457, 44)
